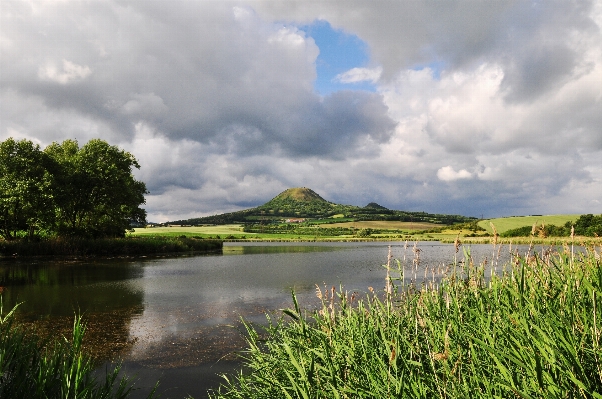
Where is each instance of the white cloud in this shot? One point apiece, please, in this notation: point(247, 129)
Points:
point(70, 72)
point(356, 75)
point(447, 173)
point(481, 108)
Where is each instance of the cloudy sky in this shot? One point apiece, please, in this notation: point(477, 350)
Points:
point(469, 107)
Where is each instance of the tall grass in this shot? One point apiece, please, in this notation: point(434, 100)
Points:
point(33, 368)
point(530, 331)
point(129, 246)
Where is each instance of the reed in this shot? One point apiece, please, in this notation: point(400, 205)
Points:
point(34, 368)
point(531, 330)
point(129, 246)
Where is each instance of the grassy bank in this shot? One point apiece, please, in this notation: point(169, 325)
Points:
point(513, 222)
point(531, 331)
point(129, 246)
point(33, 368)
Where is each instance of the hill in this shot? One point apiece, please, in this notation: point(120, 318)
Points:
point(304, 203)
point(300, 194)
point(299, 202)
point(374, 205)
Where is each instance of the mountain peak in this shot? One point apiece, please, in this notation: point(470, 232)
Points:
point(374, 205)
point(301, 194)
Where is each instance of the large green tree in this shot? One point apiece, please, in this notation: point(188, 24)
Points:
point(94, 189)
point(67, 190)
point(26, 202)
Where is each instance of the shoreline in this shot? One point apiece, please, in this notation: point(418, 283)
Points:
point(107, 248)
point(137, 247)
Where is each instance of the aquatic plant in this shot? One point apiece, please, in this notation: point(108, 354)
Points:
point(129, 246)
point(529, 330)
point(34, 368)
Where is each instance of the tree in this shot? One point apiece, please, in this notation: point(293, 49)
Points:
point(95, 192)
point(589, 225)
point(26, 203)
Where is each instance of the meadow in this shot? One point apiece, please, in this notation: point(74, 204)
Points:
point(514, 222)
point(201, 231)
point(235, 231)
point(380, 230)
point(388, 225)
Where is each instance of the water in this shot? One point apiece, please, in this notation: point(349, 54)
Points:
point(177, 319)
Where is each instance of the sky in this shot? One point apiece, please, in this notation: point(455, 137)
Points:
point(483, 109)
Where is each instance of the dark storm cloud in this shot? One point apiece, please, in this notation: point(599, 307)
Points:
point(209, 72)
point(481, 107)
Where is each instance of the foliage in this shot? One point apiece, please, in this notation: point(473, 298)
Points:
point(68, 190)
point(32, 368)
point(129, 246)
point(540, 231)
point(25, 195)
point(364, 232)
point(589, 225)
point(532, 332)
point(507, 223)
point(95, 192)
point(586, 225)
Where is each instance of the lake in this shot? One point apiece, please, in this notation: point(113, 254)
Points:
point(177, 320)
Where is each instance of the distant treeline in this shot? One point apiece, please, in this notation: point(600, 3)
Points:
point(65, 190)
point(587, 225)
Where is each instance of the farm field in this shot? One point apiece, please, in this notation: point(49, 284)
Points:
point(386, 225)
point(221, 230)
point(509, 223)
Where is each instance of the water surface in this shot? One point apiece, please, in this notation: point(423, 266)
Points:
point(178, 319)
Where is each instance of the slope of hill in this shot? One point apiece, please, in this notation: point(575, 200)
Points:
point(374, 205)
point(304, 203)
point(301, 203)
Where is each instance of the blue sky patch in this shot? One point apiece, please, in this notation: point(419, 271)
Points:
point(339, 52)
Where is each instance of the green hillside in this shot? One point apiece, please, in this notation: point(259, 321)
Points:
point(301, 202)
point(304, 203)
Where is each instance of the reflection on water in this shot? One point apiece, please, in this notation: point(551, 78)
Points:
point(178, 317)
point(46, 288)
point(276, 249)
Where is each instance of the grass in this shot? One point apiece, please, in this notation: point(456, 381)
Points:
point(530, 330)
point(129, 246)
point(509, 223)
point(34, 368)
point(388, 225)
point(442, 234)
point(234, 231)
point(213, 230)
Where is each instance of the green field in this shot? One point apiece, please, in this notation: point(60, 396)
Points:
point(225, 231)
point(410, 231)
point(202, 231)
point(514, 222)
point(387, 225)
point(234, 231)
